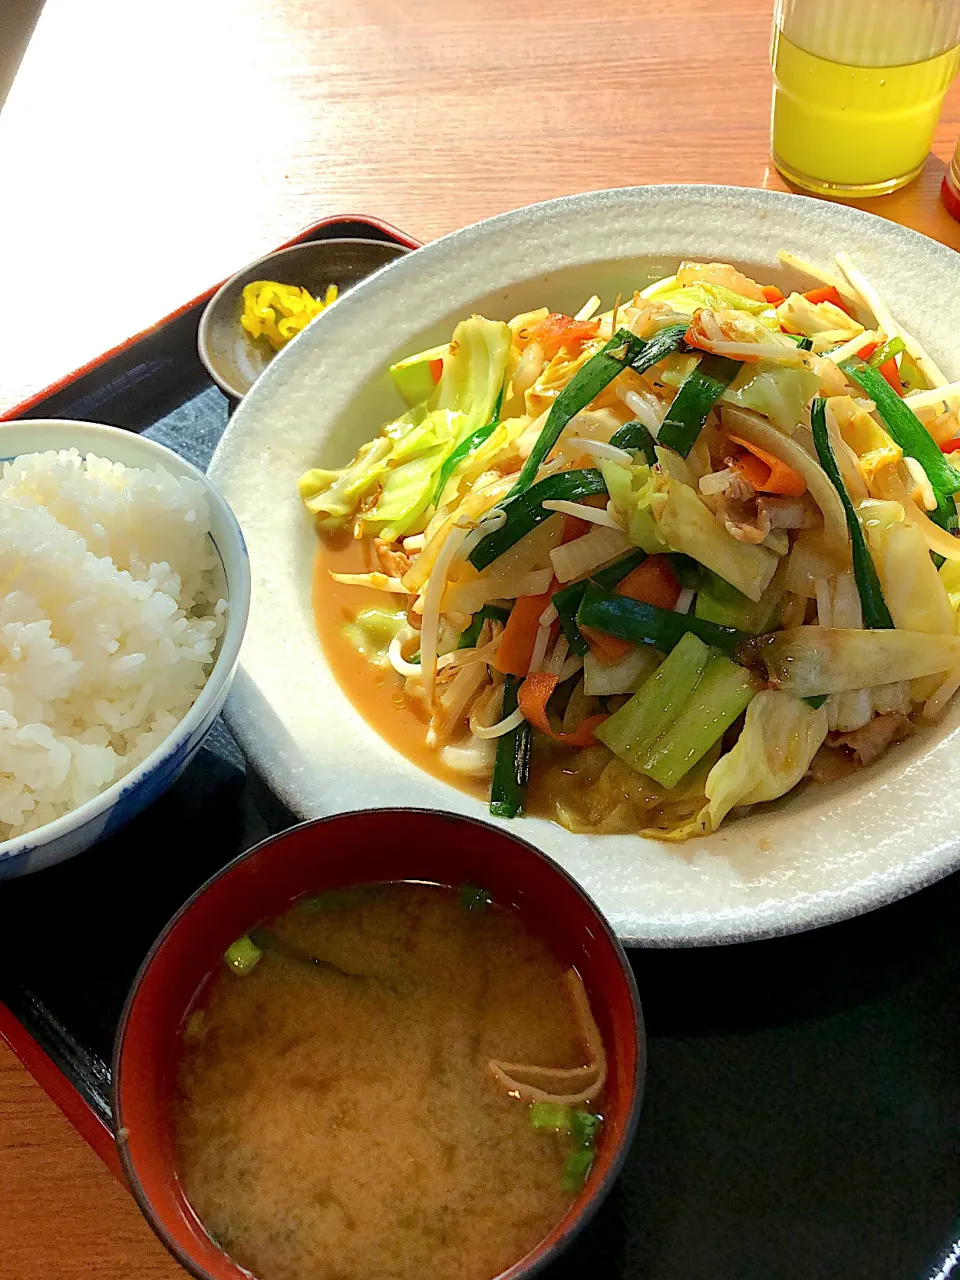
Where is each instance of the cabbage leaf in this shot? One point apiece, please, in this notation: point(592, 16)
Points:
point(632, 490)
point(809, 661)
point(689, 526)
point(690, 298)
point(777, 391)
point(780, 736)
point(406, 458)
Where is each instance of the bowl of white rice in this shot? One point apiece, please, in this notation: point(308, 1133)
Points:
point(124, 591)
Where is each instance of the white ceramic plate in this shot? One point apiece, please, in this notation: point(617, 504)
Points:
point(829, 852)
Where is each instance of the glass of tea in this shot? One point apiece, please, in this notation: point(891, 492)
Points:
point(858, 87)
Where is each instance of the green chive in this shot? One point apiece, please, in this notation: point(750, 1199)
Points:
point(489, 613)
point(874, 607)
point(511, 768)
point(525, 510)
point(699, 392)
point(622, 351)
point(466, 447)
point(568, 599)
point(635, 436)
point(911, 435)
point(640, 623)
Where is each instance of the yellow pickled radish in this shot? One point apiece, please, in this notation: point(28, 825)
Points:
point(278, 312)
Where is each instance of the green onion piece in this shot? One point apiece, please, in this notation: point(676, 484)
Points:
point(631, 732)
point(552, 1116)
point(689, 573)
point(525, 511)
point(466, 447)
point(718, 601)
point(634, 435)
point(663, 344)
point(889, 349)
point(911, 435)
point(489, 613)
point(584, 1127)
point(816, 701)
point(677, 715)
point(568, 599)
point(621, 351)
point(699, 392)
point(804, 343)
point(723, 692)
point(511, 769)
point(242, 956)
point(584, 386)
point(577, 1170)
point(472, 898)
point(874, 607)
point(646, 624)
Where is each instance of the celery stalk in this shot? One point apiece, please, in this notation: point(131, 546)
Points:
point(722, 693)
point(632, 731)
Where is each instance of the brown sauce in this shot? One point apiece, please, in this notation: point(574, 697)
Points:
point(378, 695)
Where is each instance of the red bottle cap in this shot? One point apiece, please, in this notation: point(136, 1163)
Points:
point(950, 190)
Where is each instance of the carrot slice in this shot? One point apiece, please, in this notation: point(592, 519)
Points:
point(652, 582)
point(606, 649)
point(436, 369)
point(532, 699)
point(777, 476)
point(772, 294)
point(560, 331)
point(888, 370)
point(520, 635)
point(828, 293)
point(573, 528)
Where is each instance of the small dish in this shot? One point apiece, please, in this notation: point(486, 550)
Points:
point(105, 813)
point(230, 355)
point(366, 847)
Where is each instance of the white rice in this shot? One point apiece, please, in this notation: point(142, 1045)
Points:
point(109, 622)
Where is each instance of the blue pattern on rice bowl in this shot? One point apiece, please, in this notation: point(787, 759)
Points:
point(110, 616)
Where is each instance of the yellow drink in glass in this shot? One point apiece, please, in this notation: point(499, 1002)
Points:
point(858, 87)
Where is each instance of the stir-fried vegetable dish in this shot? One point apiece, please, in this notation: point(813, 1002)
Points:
point(660, 563)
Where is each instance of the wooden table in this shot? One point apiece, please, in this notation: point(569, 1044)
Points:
point(148, 151)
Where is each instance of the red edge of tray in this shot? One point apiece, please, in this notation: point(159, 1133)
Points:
point(399, 237)
point(91, 1127)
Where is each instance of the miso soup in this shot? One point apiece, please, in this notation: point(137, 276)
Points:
point(396, 1082)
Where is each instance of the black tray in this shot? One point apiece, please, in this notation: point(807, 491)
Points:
point(802, 1113)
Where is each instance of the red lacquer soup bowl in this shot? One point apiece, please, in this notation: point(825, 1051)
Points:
point(354, 849)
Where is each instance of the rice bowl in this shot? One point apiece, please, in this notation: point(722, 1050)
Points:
point(117, 643)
